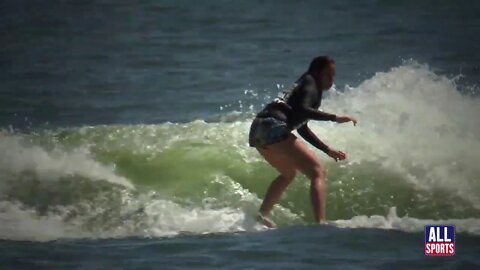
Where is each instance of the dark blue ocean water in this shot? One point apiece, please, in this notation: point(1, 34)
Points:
point(123, 131)
point(306, 247)
point(104, 62)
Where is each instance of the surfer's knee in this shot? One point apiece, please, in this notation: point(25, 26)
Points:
point(318, 183)
point(289, 175)
point(317, 173)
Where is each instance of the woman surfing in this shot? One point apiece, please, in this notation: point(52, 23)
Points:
point(271, 134)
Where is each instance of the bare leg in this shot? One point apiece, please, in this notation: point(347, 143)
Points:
point(278, 185)
point(274, 193)
point(288, 156)
point(318, 198)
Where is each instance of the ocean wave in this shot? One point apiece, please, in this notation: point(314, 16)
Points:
point(416, 149)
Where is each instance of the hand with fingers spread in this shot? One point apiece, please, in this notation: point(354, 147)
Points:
point(337, 155)
point(345, 119)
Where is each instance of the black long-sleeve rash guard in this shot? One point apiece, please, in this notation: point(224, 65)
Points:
point(297, 107)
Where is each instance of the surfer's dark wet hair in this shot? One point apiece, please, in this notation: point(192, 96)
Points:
point(320, 62)
point(317, 64)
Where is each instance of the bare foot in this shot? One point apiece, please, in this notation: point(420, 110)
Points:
point(265, 221)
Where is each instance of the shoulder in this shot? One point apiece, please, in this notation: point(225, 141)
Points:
point(308, 85)
point(308, 79)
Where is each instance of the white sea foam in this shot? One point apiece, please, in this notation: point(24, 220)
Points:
point(409, 224)
point(19, 156)
point(411, 122)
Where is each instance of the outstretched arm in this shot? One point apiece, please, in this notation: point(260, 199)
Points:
point(310, 137)
point(314, 114)
point(308, 96)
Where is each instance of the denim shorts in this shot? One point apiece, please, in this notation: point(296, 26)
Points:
point(267, 130)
